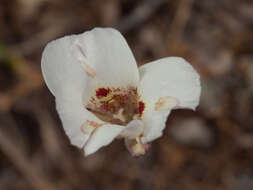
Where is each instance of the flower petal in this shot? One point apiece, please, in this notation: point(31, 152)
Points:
point(66, 79)
point(154, 122)
point(107, 55)
point(102, 136)
point(73, 65)
point(61, 71)
point(166, 84)
point(73, 116)
point(133, 129)
point(173, 77)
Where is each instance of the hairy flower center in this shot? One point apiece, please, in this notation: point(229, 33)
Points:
point(116, 105)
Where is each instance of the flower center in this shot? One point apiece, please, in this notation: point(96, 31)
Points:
point(116, 105)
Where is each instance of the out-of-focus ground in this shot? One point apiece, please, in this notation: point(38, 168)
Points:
point(209, 149)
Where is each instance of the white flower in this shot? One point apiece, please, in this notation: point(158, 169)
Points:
point(101, 94)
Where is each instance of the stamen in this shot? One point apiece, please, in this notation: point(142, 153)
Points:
point(116, 105)
point(120, 115)
point(165, 103)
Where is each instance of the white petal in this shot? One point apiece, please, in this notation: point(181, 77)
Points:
point(166, 84)
point(73, 116)
point(154, 122)
point(66, 79)
point(102, 136)
point(173, 77)
point(61, 71)
point(105, 53)
point(72, 65)
point(166, 102)
point(133, 129)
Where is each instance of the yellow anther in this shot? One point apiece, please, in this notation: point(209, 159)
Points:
point(120, 115)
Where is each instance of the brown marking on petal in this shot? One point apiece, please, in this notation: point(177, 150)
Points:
point(94, 124)
point(89, 126)
point(80, 49)
point(87, 129)
point(166, 102)
point(89, 71)
point(159, 103)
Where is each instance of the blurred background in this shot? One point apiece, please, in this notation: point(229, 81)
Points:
point(210, 149)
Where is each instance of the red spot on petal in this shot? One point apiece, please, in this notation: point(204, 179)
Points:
point(141, 107)
point(102, 92)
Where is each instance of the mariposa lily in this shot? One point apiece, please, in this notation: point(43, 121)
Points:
point(101, 94)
